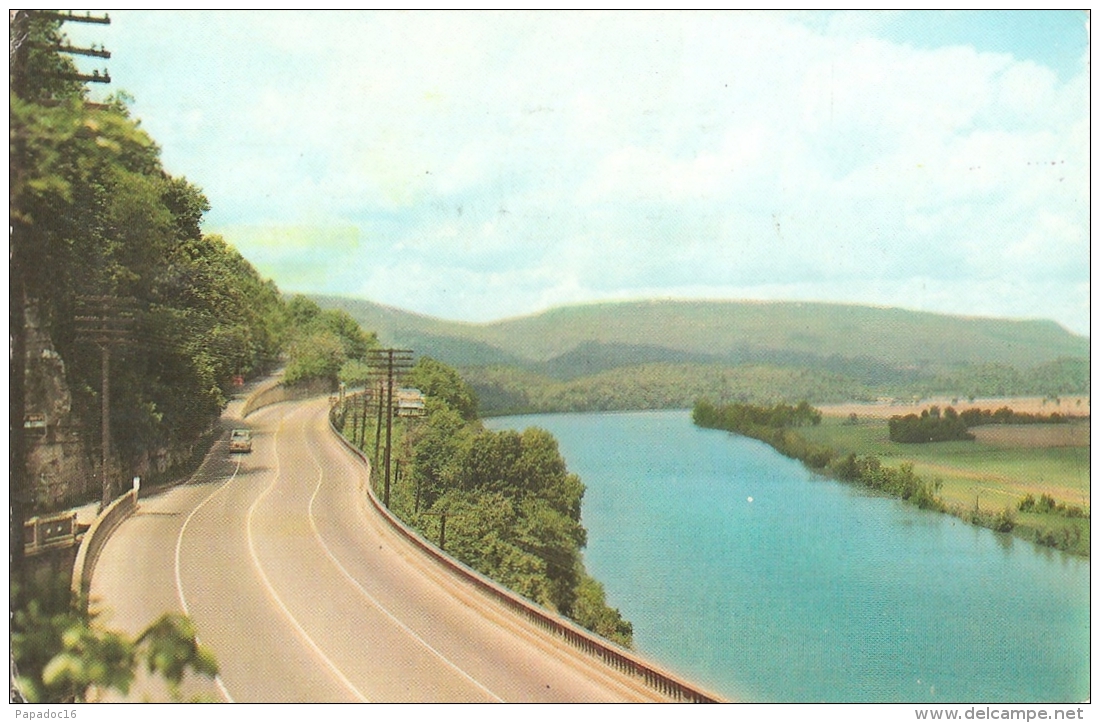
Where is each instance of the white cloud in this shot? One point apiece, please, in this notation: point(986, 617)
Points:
point(517, 160)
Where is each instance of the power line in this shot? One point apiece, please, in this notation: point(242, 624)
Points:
point(105, 321)
point(387, 365)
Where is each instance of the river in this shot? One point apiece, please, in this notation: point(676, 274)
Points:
point(742, 570)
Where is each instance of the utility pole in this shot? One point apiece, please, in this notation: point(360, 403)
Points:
point(388, 365)
point(354, 421)
point(367, 393)
point(106, 322)
point(24, 16)
point(378, 424)
point(442, 515)
point(389, 426)
point(23, 86)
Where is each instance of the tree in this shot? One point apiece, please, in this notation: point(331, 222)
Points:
point(513, 510)
point(322, 342)
point(63, 654)
point(556, 540)
point(544, 476)
point(318, 355)
point(440, 444)
point(592, 611)
point(442, 382)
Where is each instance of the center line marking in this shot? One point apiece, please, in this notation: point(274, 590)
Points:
point(271, 590)
point(179, 578)
point(374, 601)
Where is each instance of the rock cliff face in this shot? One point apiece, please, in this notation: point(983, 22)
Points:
point(59, 460)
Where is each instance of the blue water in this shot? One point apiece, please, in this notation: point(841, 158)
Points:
point(814, 590)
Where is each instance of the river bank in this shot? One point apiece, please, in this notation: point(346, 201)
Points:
point(992, 482)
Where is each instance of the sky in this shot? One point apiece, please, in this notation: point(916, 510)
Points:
point(476, 166)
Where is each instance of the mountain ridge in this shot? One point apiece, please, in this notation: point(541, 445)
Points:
point(722, 330)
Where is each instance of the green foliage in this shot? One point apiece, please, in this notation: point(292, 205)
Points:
point(899, 481)
point(1048, 505)
point(1065, 375)
point(96, 216)
point(1006, 415)
point(324, 344)
point(317, 355)
point(355, 373)
point(511, 506)
point(1003, 521)
point(738, 417)
point(37, 71)
point(505, 390)
point(930, 426)
point(768, 424)
point(519, 478)
point(169, 648)
point(441, 382)
point(441, 442)
point(592, 611)
point(63, 654)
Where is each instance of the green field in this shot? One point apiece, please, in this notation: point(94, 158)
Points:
point(989, 474)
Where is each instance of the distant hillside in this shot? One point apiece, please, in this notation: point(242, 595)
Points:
point(868, 350)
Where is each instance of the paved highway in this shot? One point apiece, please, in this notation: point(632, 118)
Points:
point(306, 595)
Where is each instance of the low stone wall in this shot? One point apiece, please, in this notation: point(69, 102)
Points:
point(96, 538)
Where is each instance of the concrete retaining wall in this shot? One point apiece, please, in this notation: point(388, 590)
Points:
point(279, 392)
point(95, 539)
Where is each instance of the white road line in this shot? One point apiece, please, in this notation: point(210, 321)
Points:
point(271, 590)
point(371, 598)
point(179, 579)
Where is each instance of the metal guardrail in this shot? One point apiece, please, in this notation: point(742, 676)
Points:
point(613, 655)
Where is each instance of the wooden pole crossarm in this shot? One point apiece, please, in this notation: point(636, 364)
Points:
point(70, 16)
point(93, 52)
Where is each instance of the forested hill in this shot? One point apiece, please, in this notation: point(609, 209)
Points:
point(725, 331)
point(659, 353)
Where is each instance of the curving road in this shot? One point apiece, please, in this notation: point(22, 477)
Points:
point(305, 595)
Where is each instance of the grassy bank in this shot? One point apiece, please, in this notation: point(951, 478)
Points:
point(990, 477)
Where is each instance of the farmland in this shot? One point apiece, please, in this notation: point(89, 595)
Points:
point(993, 473)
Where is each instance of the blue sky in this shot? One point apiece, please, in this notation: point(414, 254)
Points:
point(479, 165)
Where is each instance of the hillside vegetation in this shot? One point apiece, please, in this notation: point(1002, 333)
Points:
point(501, 502)
point(660, 354)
